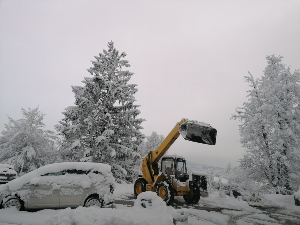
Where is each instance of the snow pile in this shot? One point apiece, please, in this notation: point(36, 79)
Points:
point(277, 200)
point(150, 200)
point(12, 216)
point(216, 218)
point(227, 202)
point(257, 218)
point(100, 216)
point(55, 168)
point(89, 216)
point(180, 216)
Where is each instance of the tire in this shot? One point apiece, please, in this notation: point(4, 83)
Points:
point(139, 186)
point(165, 191)
point(194, 196)
point(14, 202)
point(93, 200)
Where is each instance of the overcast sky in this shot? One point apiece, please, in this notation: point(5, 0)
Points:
point(188, 58)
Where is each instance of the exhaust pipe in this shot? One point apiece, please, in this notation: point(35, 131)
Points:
point(198, 132)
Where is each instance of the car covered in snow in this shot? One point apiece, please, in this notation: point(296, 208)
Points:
point(61, 185)
point(7, 173)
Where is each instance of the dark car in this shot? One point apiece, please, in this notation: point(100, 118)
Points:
point(7, 173)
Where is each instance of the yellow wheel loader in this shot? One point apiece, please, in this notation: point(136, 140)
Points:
point(172, 179)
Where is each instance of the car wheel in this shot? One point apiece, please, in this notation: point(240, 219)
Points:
point(139, 186)
point(14, 202)
point(166, 192)
point(194, 195)
point(92, 201)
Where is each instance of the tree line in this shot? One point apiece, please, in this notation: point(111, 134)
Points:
point(104, 126)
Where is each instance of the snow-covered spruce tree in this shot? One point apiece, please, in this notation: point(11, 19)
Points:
point(271, 131)
point(104, 120)
point(25, 144)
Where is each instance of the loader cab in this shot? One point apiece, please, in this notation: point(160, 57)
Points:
point(174, 166)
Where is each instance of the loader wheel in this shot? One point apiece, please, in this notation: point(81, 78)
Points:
point(139, 186)
point(165, 191)
point(194, 196)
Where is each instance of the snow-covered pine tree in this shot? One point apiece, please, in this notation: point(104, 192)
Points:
point(104, 120)
point(25, 144)
point(271, 131)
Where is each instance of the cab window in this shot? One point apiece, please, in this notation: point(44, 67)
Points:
point(181, 167)
point(167, 166)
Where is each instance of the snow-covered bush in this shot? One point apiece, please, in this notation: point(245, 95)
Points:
point(104, 118)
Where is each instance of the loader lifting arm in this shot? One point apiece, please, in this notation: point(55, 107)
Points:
point(190, 130)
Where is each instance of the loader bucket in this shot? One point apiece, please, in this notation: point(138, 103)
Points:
point(198, 132)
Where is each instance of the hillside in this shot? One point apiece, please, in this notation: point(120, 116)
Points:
point(191, 166)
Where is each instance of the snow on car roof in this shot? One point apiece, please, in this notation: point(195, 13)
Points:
point(54, 168)
point(5, 170)
point(7, 166)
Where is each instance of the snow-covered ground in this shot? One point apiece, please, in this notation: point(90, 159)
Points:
point(213, 210)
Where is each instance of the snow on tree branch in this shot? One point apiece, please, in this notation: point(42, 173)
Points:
point(270, 126)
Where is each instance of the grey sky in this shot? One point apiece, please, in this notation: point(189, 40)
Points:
point(189, 58)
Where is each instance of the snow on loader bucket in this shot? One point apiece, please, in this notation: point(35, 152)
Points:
point(198, 132)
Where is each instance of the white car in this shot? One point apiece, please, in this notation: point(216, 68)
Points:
point(7, 173)
point(61, 185)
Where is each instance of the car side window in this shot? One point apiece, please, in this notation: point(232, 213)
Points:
point(55, 174)
point(76, 171)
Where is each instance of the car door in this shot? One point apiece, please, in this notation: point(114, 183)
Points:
point(71, 192)
point(44, 191)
